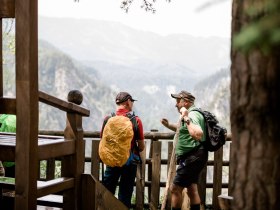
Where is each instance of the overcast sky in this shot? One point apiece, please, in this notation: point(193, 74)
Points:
point(178, 16)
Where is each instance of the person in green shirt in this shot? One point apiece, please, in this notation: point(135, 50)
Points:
point(190, 154)
point(8, 124)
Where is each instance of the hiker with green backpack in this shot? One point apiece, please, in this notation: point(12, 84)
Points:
point(8, 124)
point(190, 153)
point(122, 140)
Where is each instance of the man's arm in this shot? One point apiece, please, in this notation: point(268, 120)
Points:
point(168, 125)
point(140, 141)
point(195, 131)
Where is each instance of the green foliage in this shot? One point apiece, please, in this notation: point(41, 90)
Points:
point(8, 37)
point(263, 31)
point(43, 169)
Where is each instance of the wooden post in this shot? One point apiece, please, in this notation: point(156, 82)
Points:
point(149, 166)
point(155, 186)
point(95, 159)
point(73, 166)
point(50, 172)
point(26, 14)
point(170, 150)
point(140, 182)
point(172, 167)
point(217, 178)
point(202, 185)
point(97, 197)
point(230, 170)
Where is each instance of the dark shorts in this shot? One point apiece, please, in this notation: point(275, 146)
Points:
point(190, 167)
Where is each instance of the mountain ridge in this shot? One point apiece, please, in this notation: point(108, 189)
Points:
point(112, 42)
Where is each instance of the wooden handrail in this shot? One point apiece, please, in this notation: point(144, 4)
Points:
point(63, 105)
point(96, 134)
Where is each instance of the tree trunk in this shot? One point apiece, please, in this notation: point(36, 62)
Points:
point(255, 116)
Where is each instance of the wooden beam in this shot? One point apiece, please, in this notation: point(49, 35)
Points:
point(27, 106)
point(7, 9)
point(57, 149)
point(54, 186)
point(155, 176)
point(8, 106)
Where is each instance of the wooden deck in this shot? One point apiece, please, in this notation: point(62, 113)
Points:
point(59, 144)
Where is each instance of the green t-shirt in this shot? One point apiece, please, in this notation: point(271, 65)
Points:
point(8, 124)
point(185, 142)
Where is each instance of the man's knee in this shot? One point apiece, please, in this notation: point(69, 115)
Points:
point(175, 189)
point(193, 191)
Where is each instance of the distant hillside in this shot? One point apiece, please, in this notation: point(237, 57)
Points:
point(147, 65)
point(213, 93)
point(58, 74)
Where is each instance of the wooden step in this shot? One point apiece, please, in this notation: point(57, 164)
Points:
point(43, 187)
point(48, 200)
point(51, 201)
point(47, 208)
point(54, 186)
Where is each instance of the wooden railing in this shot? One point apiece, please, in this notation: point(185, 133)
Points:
point(151, 181)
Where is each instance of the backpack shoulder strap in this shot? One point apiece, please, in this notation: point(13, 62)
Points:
point(133, 120)
point(107, 118)
point(198, 110)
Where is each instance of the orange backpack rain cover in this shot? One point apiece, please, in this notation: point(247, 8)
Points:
point(114, 147)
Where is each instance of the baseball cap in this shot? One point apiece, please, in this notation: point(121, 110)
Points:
point(184, 95)
point(123, 96)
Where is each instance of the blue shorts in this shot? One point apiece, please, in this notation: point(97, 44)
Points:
point(190, 167)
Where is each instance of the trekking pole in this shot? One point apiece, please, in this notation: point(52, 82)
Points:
point(172, 165)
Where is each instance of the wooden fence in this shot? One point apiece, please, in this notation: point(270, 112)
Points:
point(151, 179)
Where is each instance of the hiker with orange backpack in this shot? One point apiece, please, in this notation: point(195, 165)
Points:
point(122, 140)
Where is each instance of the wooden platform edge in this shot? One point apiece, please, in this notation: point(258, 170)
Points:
point(54, 186)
